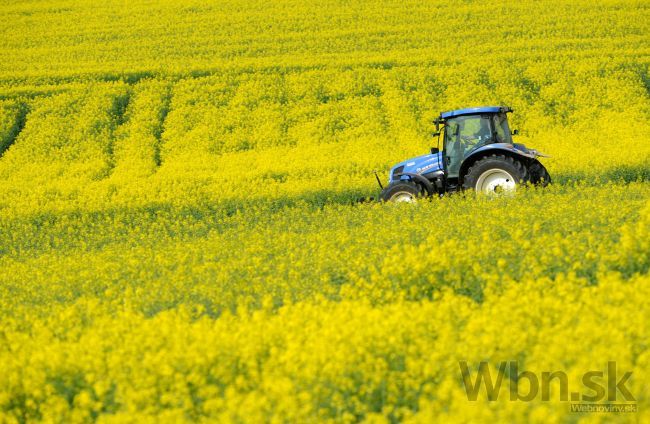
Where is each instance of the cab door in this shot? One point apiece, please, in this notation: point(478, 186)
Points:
point(463, 135)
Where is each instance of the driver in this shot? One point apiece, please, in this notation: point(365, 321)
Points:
point(477, 138)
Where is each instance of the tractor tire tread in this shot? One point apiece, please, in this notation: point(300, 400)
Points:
point(539, 176)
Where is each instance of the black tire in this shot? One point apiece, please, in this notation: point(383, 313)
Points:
point(511, 166)
point(401, 188)
point(539, 176)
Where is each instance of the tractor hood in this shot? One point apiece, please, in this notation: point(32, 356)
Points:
point(422, 165)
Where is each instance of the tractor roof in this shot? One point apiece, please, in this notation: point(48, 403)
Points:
point(475, 111)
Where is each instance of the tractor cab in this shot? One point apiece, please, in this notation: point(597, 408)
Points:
point(467, 130)
point(477, 153)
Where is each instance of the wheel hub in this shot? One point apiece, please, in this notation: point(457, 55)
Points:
point(403, 197)
point(495, 181)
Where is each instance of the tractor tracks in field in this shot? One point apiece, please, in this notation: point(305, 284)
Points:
point(159, 129)
point(138, 117)
point(9, 135)
point(119, 119)
point(131, 115)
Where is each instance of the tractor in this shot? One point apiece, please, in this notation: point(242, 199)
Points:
point(477, 154)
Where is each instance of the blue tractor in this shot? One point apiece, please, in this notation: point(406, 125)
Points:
point(477, 153)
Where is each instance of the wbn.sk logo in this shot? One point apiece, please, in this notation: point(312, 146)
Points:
point(599, 386)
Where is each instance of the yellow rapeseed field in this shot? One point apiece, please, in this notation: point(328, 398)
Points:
point(180, 242)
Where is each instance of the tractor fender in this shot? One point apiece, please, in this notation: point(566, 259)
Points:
point(420, 179)
point(502, 148)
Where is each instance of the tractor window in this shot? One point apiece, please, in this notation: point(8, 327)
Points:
point(502, 129)
point(463, 135)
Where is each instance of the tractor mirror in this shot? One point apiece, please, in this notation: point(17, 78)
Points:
point(434, 150)
point(438, 121)
point(515, 132)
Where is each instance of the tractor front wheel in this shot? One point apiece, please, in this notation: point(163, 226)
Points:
point(401, 191)
point(495, 174)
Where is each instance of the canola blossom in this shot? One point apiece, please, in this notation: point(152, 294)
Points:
point(180, 241)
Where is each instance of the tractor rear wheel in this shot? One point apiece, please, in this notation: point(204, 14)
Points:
point(495, 174)
point(401, 191)
point(539, 176)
